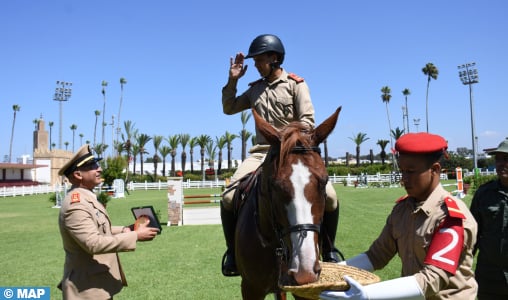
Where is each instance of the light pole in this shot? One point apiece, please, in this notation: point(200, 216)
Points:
point(63, 92)
point(469, 76)
point(416, 122)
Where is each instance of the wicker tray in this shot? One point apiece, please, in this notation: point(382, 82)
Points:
point(331, 278)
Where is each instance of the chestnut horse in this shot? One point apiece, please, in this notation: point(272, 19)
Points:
point(277, 240)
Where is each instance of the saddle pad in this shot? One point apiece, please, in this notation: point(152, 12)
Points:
point(331, 278)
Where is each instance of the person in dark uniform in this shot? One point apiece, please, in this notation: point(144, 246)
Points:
point(280, 98)
point(490, 209)
point(432, 232)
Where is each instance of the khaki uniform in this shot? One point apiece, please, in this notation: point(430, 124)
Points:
point(92, 268)
point(409, 230)
point(280, 102)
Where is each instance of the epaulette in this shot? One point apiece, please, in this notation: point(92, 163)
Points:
point(402, 198)
point(75, 198)
point(453, 208)
point(295, 77)
point(255, 82)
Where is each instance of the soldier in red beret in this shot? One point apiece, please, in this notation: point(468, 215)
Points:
point(432, 232)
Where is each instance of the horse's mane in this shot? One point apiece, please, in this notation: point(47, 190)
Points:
point(294, 134)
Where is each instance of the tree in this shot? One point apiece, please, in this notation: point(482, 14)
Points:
point(135, 152)
point(220, 142)
point(211, 151)
point(192, 144)
point(104, 85)
point(397, 133)
point(431, 72)
point(202, 141)
point(141, 140)
point(244, 134)
point(100, 149)
point(81, 135)
point(173, 141)
point(406, 92)
point(386, 96)
point(15, 109)
point(382, 144)
point(157, 140)
point(130, 132)
point(184, 140)
point(66, 145)
point(164, 151)
point(51, 123)
point(122, 82)
point(97, 114)
point(358, 140)
point(229, 140)
point(73, 128)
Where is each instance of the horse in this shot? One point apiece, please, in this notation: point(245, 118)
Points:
point(277, 238)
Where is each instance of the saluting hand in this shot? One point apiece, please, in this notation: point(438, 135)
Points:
point(236, 67)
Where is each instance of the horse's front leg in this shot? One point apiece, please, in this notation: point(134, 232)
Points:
point(280, 296)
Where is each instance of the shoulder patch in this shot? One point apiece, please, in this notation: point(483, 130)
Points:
point(402, 198)
point(255, 82)
point(453, 208)
point(295, 77)
point(75, 198)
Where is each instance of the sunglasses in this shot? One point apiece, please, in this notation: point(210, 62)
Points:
point(93, 165)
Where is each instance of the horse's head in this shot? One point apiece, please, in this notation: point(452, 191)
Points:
point(296, 178)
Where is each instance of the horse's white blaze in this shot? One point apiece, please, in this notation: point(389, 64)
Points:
point(299, 212)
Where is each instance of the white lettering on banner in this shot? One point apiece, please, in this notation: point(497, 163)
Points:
point(439, 255)
point(30, 293)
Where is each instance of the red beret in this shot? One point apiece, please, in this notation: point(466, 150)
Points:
point(421, 143)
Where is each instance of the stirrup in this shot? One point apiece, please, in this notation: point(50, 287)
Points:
point(225, 271)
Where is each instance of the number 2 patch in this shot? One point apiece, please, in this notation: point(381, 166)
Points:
point(446, 245)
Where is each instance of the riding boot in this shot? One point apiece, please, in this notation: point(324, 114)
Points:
point(329, 230)
point(229, 227)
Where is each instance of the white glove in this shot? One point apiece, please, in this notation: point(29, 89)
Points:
point(404, 288)
point(361, 261)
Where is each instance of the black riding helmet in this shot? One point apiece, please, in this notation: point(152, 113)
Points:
point(266, 43)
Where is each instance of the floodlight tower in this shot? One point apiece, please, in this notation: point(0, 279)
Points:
point(63, 92)
point(468, 74)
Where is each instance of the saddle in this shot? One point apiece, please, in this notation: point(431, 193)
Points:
point(244, 187)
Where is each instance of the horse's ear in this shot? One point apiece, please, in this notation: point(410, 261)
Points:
point(324, 129)
point(268, 131)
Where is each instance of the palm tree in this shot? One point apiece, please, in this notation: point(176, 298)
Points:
point(211, 151)
point(66, 145)
point(15, 109)
point(157, 140)
point(130, 132)
point(81, 135)
point(173, 141)
point(104, 85)
point(430, 71)
point(135, 152)
point(382, 144)
point(184, 140)
point(406, 92)
point(386, 99)
point(220, 142)
point(97, 114)
point(229, 140)
point(73, 128)
point(192, 144)
point(397, 133)
point(358, 140)
point(100, 149)
point(164, 151)
point(202, 141)
point(51, 123)
point(122, 82)
point(244, 134)
point(141, 140)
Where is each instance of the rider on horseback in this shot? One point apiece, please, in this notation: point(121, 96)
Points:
point(280, 98)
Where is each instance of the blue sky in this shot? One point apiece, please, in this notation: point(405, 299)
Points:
point(175, 58)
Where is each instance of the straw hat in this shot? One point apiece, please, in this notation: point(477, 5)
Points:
point(331, 278)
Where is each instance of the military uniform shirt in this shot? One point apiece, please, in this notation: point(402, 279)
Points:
point(490, 209)
point(408, 231)
point(280, 102)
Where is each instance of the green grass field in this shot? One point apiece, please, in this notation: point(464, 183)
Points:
point(181, 263)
